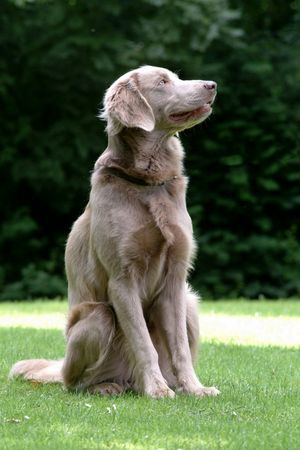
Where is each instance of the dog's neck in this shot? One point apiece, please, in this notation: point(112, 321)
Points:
point(152, 156)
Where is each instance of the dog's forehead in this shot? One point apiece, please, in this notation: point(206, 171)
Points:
point(147, 73)
point(155, 72)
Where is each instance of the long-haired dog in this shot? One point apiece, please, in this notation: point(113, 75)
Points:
point(133, 320)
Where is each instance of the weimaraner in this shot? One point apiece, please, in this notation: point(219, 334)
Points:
point(133, 320)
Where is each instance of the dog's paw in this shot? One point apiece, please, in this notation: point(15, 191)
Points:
point(207, 392)
point(198, 390)
point(159, 390)
point(106, 389)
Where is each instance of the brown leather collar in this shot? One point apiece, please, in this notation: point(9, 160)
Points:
point(134, 180)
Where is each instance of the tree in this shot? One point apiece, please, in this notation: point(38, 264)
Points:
point(58, 57)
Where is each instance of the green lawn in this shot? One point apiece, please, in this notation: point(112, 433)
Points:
point(250, 351)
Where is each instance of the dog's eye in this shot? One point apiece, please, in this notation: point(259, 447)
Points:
point(162, 82)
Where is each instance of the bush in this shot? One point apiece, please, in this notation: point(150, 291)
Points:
point(58, 57)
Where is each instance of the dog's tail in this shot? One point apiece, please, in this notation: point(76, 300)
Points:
point(38, 370)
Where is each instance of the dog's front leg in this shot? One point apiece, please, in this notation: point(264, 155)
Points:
point(147, 375)
point(171, 317)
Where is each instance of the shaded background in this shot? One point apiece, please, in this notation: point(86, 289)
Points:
point(56, 60)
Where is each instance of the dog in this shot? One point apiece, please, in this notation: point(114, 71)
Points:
point(133, 320)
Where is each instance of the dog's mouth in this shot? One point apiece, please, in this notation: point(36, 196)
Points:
point(192, 115)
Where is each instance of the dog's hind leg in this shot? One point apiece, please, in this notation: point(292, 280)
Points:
point(90, 330)
point(107, 388)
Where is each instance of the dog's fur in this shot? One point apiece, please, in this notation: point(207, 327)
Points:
point(133, 320)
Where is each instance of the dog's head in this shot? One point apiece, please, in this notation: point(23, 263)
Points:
point(155, 98)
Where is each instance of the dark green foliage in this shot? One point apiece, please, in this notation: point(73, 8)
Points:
point(57, 59)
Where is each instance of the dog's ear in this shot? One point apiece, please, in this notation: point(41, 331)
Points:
point(125, 106)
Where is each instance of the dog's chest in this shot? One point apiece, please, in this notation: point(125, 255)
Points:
point(165, 240)
point(169, 215)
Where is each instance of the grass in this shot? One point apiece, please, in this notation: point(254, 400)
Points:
point(259, 407)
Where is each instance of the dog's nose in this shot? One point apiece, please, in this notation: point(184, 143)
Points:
point(210, 85)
